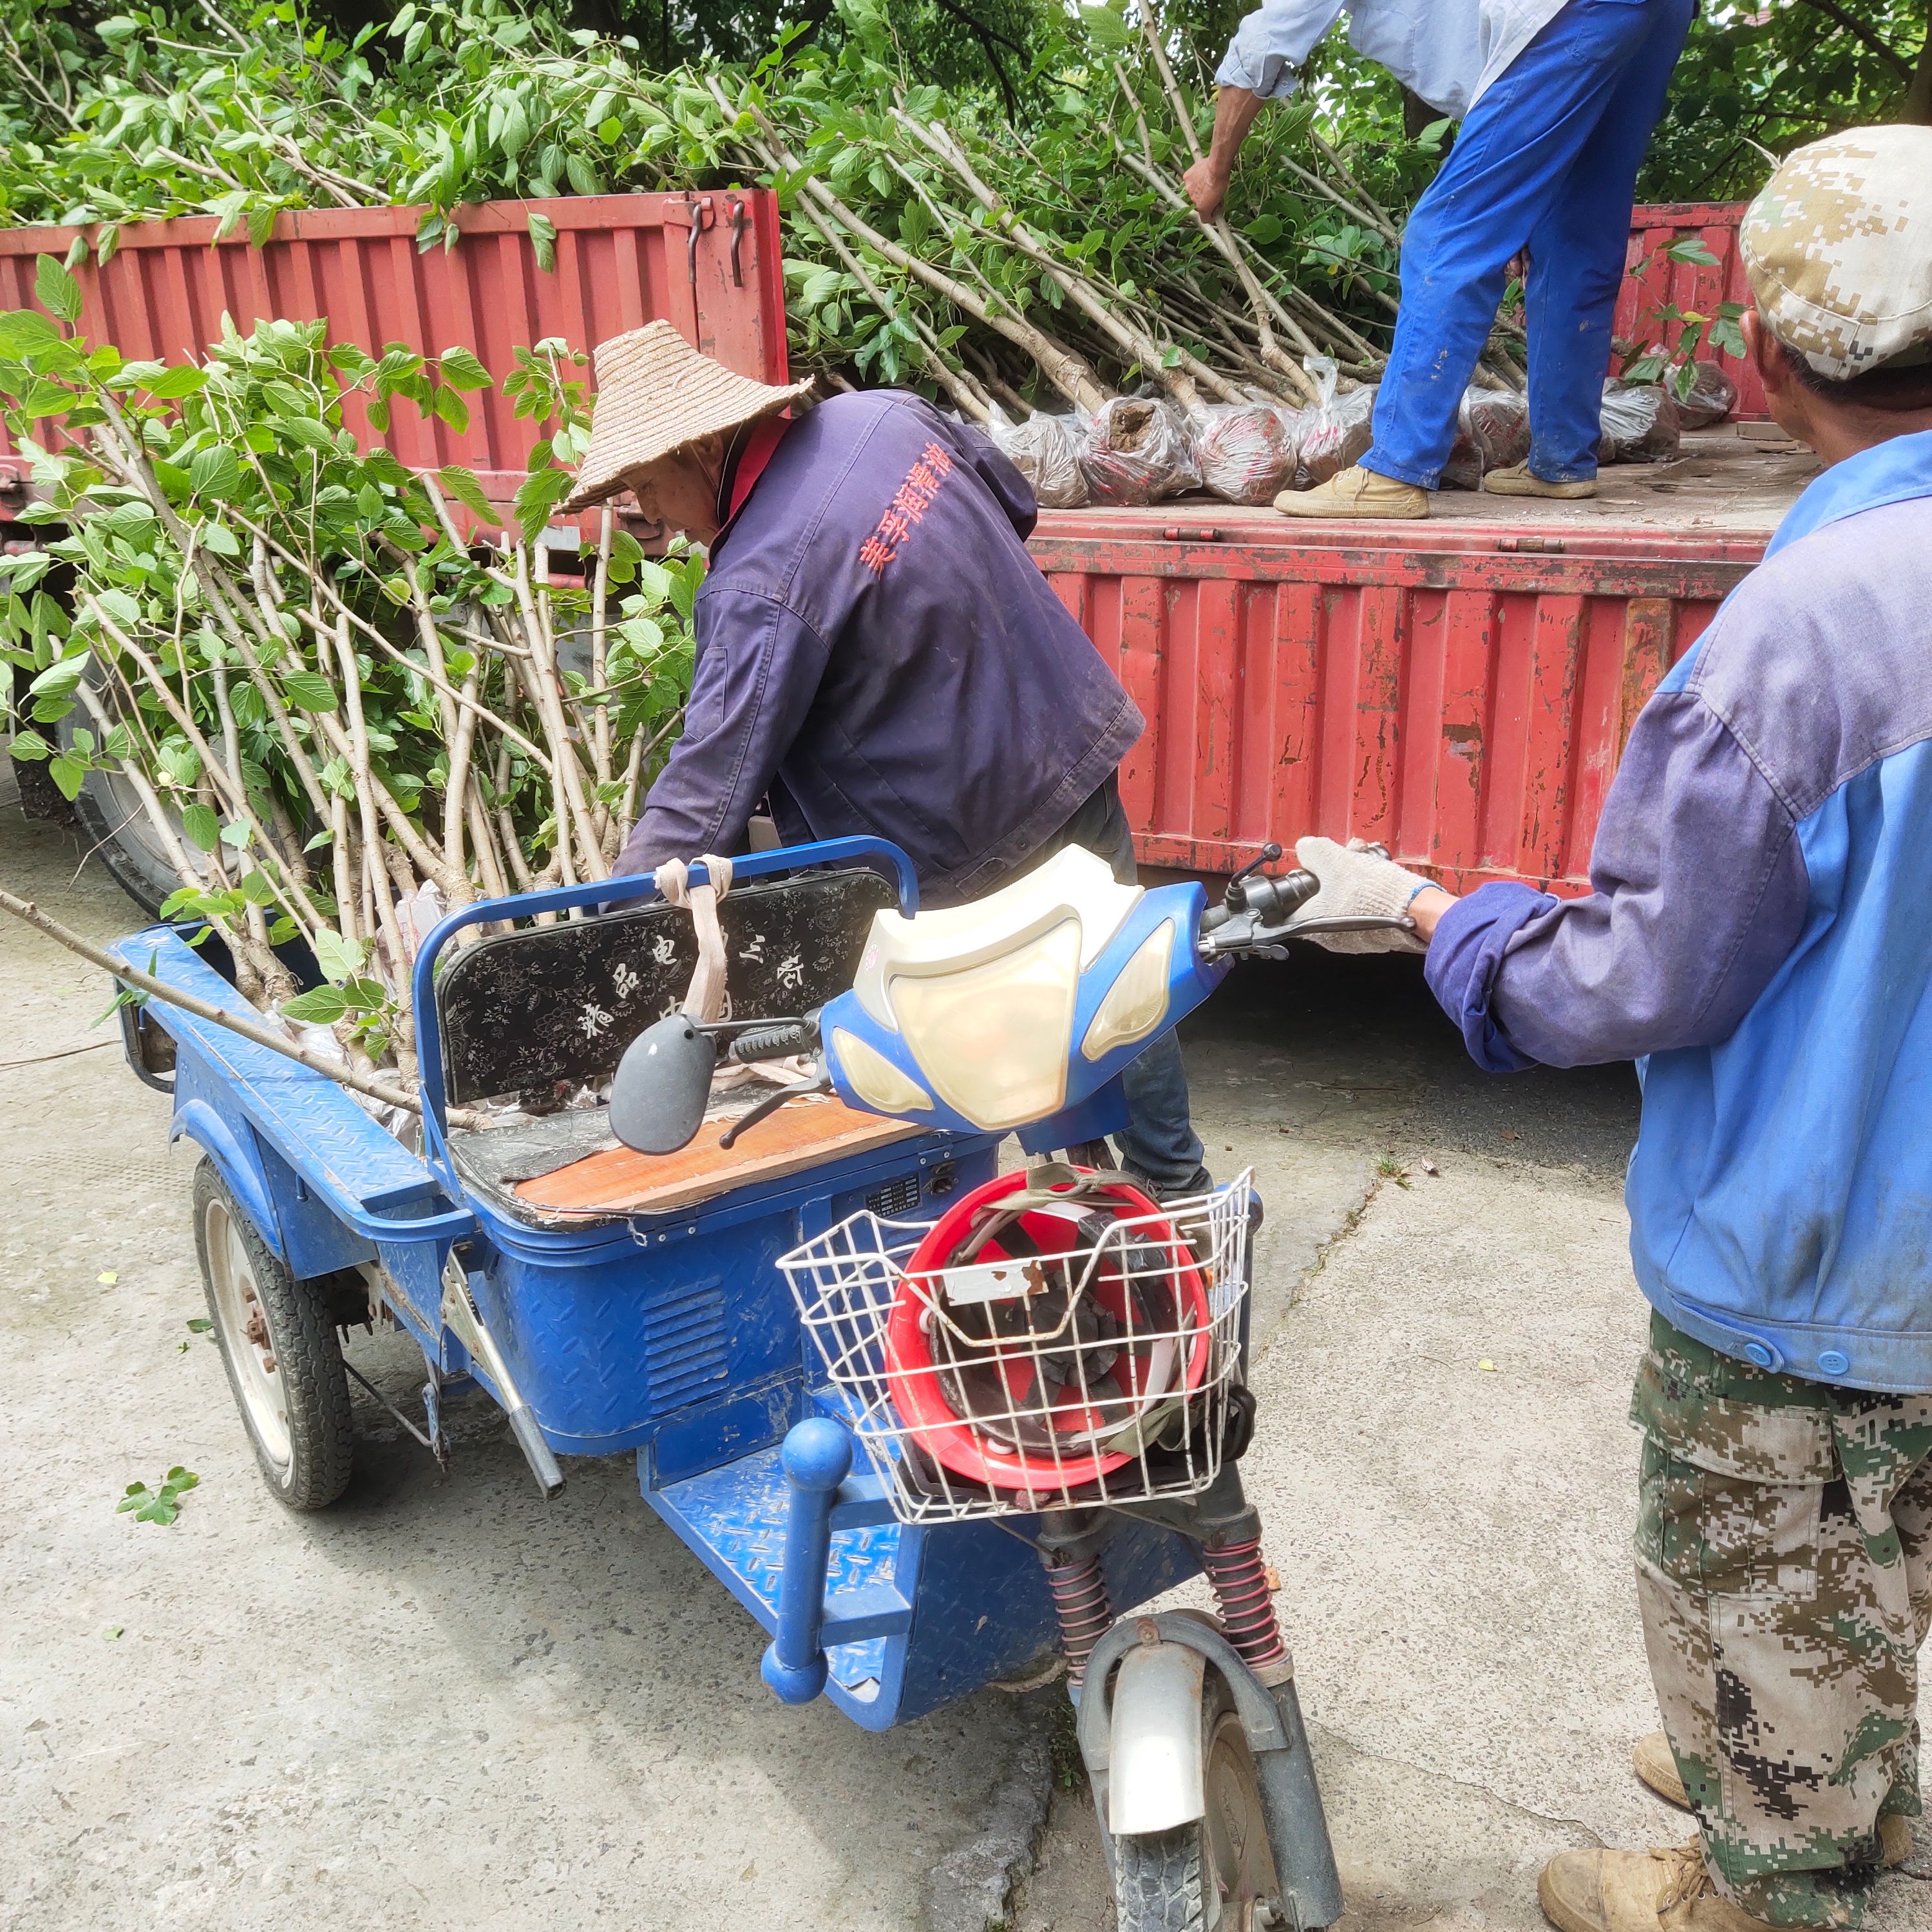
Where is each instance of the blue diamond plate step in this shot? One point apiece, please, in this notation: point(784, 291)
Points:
point(733, 1517)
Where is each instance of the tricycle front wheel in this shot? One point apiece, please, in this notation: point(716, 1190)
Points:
point(1216, 1874)
point(279, 1345)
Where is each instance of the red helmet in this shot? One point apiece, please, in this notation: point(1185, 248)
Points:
point(1031, 1349)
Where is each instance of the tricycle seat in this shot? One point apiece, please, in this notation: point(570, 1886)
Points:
point(543, 1007)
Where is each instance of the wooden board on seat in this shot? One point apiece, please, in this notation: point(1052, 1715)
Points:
point(802, 1134)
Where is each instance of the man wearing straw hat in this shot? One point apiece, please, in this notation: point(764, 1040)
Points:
point(876, 651)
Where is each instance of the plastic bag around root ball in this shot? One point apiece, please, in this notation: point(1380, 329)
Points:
point(1246, 450)
point(1139, 449)
point(1713, 396)
point(1045, 450)
point(1335, 430)
point(1640, 423)
point(1492, 433)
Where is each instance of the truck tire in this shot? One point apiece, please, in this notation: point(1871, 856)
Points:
point(1218, 1872)
point(279, 1347)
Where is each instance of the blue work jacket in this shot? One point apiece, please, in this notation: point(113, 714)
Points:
point(876, 649)
point(1760, 938)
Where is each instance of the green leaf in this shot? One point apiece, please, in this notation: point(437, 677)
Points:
point(25, 332)
point(173, 384)
point(446, 403)
point(339, 958)
point(309, 690)
point(200, 1324)
point(180, 762)
point(321, 1006)
point(69, 774)
point(218, 538)
point(543, 239)
point(56, 290)
point(462, 485)
point(30, 748)
point(1689, 248)
point(202, 826)
point(463, 370)
point(538, 495)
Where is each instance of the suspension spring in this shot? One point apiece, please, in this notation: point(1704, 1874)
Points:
point(1244, 1596)
point(1080, 1601)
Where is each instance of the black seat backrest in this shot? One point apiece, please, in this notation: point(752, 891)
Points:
point(522, 1010)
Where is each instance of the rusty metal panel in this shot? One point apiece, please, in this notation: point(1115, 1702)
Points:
point(710, 263)
point(1691, 287)
point(1456, 691)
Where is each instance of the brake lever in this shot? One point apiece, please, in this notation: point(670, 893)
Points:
point(769, 1104)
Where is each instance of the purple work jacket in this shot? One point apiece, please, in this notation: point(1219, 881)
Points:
point(876, 649)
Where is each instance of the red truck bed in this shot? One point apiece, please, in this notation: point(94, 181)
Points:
point(1460, 689)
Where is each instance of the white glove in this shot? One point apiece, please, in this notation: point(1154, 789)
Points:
point(1358, 881)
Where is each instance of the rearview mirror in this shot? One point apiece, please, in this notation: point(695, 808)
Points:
point(663, 1086)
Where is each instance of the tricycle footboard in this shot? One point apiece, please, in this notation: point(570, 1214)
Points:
point(914, 1615)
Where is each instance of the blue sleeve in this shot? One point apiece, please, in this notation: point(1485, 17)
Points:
point(1464, 957)
point(1698, 893)
point(757, 672)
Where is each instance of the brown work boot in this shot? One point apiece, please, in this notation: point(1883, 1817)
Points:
point(1355, 492)
point(1667, 1889)
point(1518, 481)
point(1657, 1768)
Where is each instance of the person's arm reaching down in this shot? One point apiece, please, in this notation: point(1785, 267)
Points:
point(757, 671)
point(1262, 63)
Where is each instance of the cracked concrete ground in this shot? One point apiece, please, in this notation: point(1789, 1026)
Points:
point(445, 1704)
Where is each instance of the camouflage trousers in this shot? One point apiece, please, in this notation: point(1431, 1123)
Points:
point(1784, 1567)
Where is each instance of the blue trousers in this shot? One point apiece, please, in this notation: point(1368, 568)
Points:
point(1547, 161)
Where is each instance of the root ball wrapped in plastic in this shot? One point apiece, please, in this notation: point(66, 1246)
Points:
point(1336, 429)
point(1492, 433)
point(1640, 423)
point(1045, 450)
point(1246, 451)
point(1713, 396)
point(1139, 449)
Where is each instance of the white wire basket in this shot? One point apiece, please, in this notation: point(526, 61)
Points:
point(1074, 1356)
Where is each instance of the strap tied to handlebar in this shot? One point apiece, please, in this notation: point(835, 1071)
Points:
point(704, 998)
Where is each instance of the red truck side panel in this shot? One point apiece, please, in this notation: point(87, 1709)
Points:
point(710, 263)
point(1688, 286)
point(1451, 691)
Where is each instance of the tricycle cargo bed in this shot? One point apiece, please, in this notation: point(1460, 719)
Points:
point(1459, 689)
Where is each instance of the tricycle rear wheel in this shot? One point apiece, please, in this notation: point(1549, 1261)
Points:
point(279, 1347)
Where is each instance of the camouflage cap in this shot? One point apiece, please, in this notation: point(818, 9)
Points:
point(1838, 247)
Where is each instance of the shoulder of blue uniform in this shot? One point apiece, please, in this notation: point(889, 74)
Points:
point(1817, 659)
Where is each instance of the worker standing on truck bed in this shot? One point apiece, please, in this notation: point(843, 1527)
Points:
point(1760, 936)
point(876, 652)
point(1557, 99)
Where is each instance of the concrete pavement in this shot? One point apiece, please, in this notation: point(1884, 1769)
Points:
point(444, 1704)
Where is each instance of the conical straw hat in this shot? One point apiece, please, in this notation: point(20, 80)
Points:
point(655, 394)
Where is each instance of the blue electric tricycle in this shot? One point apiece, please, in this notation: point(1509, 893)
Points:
point(763, 1325)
